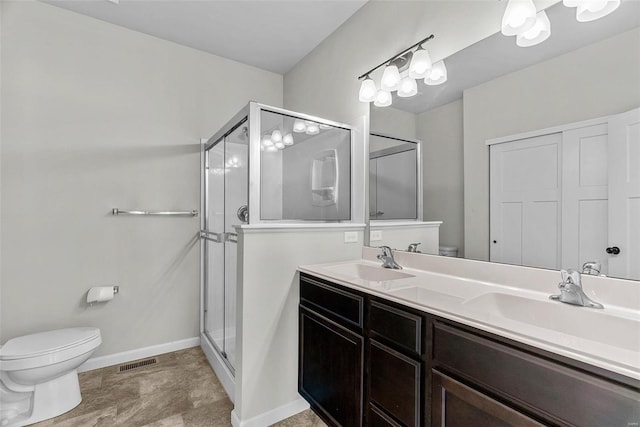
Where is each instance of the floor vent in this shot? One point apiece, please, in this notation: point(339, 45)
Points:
point(139, 364)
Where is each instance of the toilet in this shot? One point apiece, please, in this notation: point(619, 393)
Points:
point(38, 374)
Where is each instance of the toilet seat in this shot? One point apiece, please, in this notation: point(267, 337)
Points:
point(46, 348)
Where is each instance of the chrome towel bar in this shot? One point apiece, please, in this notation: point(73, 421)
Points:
point(116, 211)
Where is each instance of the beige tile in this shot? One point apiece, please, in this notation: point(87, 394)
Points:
point(105, 417)
point(90, 380)
point(304, 419)
point(152, 407)
point(217, 414)
point(172, 421)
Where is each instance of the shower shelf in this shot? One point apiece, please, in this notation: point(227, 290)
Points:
point(116, 211)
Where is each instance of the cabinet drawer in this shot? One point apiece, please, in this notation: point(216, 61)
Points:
point(456, 405)
point(377, 418)
point(551, 391)
point(338, 304)
point(395, 383)
point(398, 326)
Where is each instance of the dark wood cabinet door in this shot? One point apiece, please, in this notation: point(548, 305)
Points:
point(330, 369)
point(395, 383)
point(457, 405)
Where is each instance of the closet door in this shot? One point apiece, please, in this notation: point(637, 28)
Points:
point(525, 201)
point(585, 187)
point(624, 195)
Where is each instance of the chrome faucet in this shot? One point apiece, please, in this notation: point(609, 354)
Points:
point(571, 290)
point(591, 267)
point(413, 247)
point(386, 256)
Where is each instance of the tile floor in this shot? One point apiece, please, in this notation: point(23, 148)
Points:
point(180, 390)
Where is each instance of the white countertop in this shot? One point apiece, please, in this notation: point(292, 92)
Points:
point(608, 338)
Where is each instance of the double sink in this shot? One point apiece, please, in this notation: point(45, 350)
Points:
point(497, 305)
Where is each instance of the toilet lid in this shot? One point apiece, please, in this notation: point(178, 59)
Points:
point(46, 342)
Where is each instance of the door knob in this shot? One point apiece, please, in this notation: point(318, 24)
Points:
point(613, 250)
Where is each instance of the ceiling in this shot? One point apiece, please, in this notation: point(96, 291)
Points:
point(498, 55)
point(272, 35)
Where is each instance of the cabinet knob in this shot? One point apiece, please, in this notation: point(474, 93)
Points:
point(613, 250)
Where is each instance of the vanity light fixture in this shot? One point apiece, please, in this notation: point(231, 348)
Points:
point(540, 31)
point(312, 128)
point(299, 126)
point(400, 74)
point(519, 16)
point(287, 139)
point(517, 20)
point(438, 74)
point(590, 10)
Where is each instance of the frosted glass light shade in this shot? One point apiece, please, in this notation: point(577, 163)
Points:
point(420, 66)
point(276, 136)
point(299, 126)
point(383, 99)
point(312, 129)
point(266, 141)
point(271, 149)
point(537, 34)
point(390, 79)
point(367, 90)
point(287, 139)
point(590, 10)
point(408, 87)
point(438, 74)
point(519, 16)
point(279, 145)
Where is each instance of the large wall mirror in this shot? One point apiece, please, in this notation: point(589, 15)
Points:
point(495, 89)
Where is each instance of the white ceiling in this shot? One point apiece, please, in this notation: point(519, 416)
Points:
point(270, 34)
point(498, 55)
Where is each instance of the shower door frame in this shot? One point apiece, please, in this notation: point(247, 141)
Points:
point(206, 145)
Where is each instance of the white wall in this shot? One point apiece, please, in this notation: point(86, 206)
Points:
point(440, 131)
point(591, 82)
point(95, 117)
point(393, 122)
point(268, 292)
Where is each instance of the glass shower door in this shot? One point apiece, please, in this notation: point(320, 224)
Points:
point(226, 193)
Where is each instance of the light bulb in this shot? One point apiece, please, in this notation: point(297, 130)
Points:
point(279, 145)
point(438, 74)
point(390, 78)
point(367, 90)
point(312, 129)
point(590, 10)
point(276, 136)
point(420, 64)
point(519, 16)
point(537, 34)
point(266, 141)
point(287, 139)
point(408, 87)
point(299, 126)
point(383, 99)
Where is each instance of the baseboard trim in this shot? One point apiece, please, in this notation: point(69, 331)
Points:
point(138, 353)
point(273, 416)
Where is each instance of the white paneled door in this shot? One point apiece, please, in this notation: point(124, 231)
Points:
point(525, 201)
point(623, 248)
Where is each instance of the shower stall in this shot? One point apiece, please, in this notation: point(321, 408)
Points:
point(265, 166)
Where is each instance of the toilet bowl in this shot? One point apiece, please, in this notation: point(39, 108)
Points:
point(38, 374)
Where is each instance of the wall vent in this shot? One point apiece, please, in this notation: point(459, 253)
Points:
point(138, 364)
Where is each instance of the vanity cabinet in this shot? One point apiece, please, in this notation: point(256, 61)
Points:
point(365, 360)
point(331, 351)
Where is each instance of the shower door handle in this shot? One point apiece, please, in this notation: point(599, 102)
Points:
point(212, 237)
point(231, 237)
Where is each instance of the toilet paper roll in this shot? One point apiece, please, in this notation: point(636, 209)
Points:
point(100, 293)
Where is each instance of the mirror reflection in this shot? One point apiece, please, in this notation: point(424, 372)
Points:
point(499, 91)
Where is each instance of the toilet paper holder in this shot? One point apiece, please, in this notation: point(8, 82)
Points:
point(102, 293)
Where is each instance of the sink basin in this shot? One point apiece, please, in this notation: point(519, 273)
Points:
point(582, 322)
point(367, 272)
